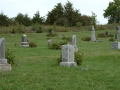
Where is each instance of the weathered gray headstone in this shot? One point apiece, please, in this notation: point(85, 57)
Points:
point(68, 56)
point(118, 29)
point(93, 38)
point(3, 61)
point(24, 42)
point(63, 35)
point(106, 33)
point(116, 45)
point(74, 43)
point(49, 41)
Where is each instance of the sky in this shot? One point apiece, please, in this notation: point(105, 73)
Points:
point(12, 7)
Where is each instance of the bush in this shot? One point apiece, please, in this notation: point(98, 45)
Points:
point(101, 35)
point(86, 38)
point(110, 35)
point(77, 57)
point(52, 35)
point(56, 46)
point(67, 38)
point(32, 44)
point(111, 39)
point(10, 57)
point(39, 29)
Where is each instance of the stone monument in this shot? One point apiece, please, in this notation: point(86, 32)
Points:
point(116, 36)
point(74, 43)
point(68, 56)
point(24, 42)
point(93, 38)
point(3, 61)
point(115, 45)
point(118, 29)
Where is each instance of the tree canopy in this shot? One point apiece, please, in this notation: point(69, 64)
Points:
point(112, 12)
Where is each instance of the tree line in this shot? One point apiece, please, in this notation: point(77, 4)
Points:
point(64, 15)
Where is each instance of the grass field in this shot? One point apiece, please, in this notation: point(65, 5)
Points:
point(37, 68)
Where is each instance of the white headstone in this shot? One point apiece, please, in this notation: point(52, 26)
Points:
point(68, 56)
point(74, 43)
point(116, 45)
point(93, 38)
point(24, 42)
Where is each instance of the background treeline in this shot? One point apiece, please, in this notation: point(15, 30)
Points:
point(62, 15)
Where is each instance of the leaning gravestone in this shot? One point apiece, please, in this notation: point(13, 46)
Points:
point(74, 43)
point(115, 45)
point(68, 56)
point(93, 38)
point(24, 42)
point(118, 29)
point(3, 61)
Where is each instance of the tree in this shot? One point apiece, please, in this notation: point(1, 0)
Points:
point(112, 12)
point(3, 20)
point(19, 18)
point(26, 20)
point(94, 19)
point(36, 18)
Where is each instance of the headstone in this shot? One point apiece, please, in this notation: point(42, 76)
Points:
point(3, 61)
point(52, 32)
point(24, 42)
point(63, 35)
point(93, 38)
point(106, 33)
point(49, 41)
point(116, 45)
point(68, 56)
point(116, 36)
point(74, 43)
point(118, 29)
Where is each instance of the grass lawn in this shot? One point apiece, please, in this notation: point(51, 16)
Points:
point(37, 68)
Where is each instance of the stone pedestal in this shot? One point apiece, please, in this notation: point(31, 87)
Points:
point(5, 67)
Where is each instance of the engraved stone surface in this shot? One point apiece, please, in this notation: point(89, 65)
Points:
point(116, 45)
point(67, 55)
point(118, 29)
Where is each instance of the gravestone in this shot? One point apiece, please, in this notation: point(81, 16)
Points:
point(118, 29)
point(93, 38)
point(63, 35)
point(3, 61)
point(68, 56)
point(116, 36)
point(106, 33)
point(74, 43)
point(24, 42)
point(116, 45)
point(49, 41)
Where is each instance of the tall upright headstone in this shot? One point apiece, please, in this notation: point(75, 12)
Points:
point(3, 61)
point(24, 42)
point(116, 36)
point(118, 29)
point(93, 38)
point(106, 33)
point(74, 43)
point(68, 56)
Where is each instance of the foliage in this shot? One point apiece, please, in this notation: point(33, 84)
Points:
point(78, 24)
point(67, 38)
point(111, 39)
point(94, 20)
point(32, 44)
point(51, 33)
point(39, 29)
point(3, 20)
point(110, 35)
point(86, 38)
point(13, 31)
point(10, 57)
point(77, 57)
point(112, 12)
point(56, 46)
point(101, 35)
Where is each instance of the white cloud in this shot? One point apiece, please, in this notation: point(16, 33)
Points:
point(12, 7)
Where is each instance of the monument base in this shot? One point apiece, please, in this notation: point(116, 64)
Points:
point(5, 67)
point(3, 61)
point(68, 64)
point(24, 44)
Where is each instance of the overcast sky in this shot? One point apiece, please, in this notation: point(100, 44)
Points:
point(12, 7)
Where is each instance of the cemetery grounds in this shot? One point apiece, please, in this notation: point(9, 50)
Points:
point(37, 68)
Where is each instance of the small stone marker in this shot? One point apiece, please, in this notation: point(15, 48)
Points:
point(106, 33)
point(3, 61)
point(118, 29)
point(68, 56)
point(93, 38)
point(24, 42)
point(74, 43)
point(116, 36)
point(49, 41)
point(116, 45)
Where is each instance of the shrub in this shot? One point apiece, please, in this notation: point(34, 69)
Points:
point(13, 31)
point(101, 35)
point(10, 57)
point(111, 39)
point(67, 38)
point(77, 57)
point(32, 44)
point(110, 35)
point(86, 38)
point(39, 29)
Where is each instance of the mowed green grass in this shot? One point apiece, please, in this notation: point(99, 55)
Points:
point(37, 68)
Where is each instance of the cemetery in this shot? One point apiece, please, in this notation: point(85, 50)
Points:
point(38, 69)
